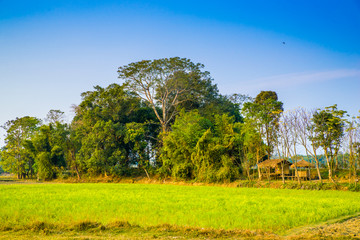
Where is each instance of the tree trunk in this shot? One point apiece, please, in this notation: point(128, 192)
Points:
point(77, 172)
point(317, 164)
point(147, 174)
point(257, 163)
point(297, 173)
point(282, 173)
point(350, 168)
point(329, 167)
point(268, 170)
point(352, 165)
point(163, 127)
point(330, 176)
point(259, 172)
point(282, 167)
point(336, 163)
point(318, 169)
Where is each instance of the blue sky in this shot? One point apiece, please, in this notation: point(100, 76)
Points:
point(52, 51)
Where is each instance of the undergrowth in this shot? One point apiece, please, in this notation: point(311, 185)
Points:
point(305, 185)
point(124, 226)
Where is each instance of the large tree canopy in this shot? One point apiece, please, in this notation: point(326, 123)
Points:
point(167, 84)
point(114, 130)
point(264, 112)
point(16, 156)
point(49, 150)
point(197, 148)
point(168, 117)
point(328, 126)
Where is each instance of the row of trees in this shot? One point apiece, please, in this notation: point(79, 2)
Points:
point(167, 117)
point(322, 134)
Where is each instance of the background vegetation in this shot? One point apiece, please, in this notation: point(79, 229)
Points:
point(167, 118)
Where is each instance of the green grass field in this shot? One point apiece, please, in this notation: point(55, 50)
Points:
point(275, 210)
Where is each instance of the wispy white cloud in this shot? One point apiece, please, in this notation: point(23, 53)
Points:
point(295, 79)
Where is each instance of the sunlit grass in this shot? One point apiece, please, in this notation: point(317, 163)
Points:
point(195, 206)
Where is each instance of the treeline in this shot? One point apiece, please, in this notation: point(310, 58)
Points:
point(168, 118)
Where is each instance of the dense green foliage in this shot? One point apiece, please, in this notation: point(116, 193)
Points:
point(147, 205)
point(264, 113)
point(167, 85)
point(197, 148)
point(168, 118)
point(329, 129)
point(17, 156)
point(114, 130)
point(49, 145)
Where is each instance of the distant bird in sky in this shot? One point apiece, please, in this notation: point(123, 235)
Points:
point(283, 42)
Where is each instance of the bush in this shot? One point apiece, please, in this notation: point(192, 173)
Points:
point(45, 167)
point(303, 186)
point(354, 187)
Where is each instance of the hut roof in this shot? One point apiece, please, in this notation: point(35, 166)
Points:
point(272, 163)
point(303, 163)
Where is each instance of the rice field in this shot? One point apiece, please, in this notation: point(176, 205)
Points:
point(275, 210)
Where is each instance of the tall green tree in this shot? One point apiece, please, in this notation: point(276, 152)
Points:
point(252, 132)
point(50, 150)
point(73, 145)
point(328, 126)
point(55, 116)
point(351, 140)
point(253, 150)
point(218, 104)
point(108, 142)
point(199, 149)
point(17, 155)
point(167, 85)
point(264, 113)
point(180, 143)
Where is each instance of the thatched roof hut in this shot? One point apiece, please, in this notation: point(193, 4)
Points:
point(303, 164)
point(305, 173)
point(274, 167)
point(273, 163)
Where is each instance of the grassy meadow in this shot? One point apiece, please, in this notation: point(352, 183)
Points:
point(275, 210)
